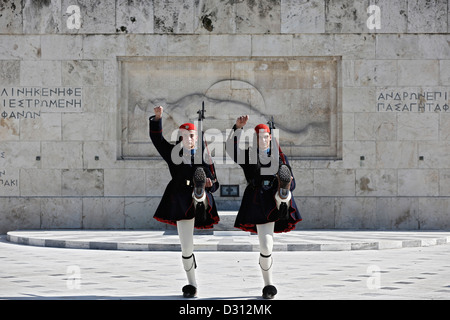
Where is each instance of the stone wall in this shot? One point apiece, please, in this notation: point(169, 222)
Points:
point(66, 120)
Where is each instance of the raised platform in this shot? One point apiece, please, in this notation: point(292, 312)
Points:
point(303, 240)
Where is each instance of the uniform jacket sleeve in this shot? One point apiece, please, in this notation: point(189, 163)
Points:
point(239, 156)
point(155, 131)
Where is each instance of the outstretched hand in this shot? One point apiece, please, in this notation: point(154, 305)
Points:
point(241, 121)
point(158, 112)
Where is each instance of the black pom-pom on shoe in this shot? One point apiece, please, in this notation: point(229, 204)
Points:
point(269, 292)
point(189, 291)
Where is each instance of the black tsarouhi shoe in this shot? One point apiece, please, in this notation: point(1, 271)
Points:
point(284, 184)
point(189, 291)
point(199, 181)
point(269, 292)
point(284, 178)
point(199, 190)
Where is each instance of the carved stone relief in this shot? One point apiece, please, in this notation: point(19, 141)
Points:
point(302, 95)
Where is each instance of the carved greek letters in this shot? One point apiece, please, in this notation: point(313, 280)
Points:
point(7, 183)
point(29, 102)
point(412, 100)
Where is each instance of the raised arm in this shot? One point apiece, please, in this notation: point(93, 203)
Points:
point(232, 143)
point(155, 131)
point(241, 121)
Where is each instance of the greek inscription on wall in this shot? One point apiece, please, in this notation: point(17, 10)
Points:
point(7, 184)
point(412, 100)
point(29, 102)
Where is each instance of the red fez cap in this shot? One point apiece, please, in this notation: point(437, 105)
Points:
point(188, 126)
point(263, 127)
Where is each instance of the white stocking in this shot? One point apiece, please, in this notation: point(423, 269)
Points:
point(265, 235)
point(186, 233)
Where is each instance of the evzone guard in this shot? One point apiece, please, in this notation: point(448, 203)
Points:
point(267, 204)
point(187, 201)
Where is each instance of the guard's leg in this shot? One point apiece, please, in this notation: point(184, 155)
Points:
point(186, 233)
point(265, 236)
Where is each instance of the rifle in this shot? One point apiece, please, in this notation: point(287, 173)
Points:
point(271, 124)
point(201, 116)
point(201, 112)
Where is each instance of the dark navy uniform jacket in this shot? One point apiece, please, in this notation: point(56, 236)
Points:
point(258, 204)
point(177, 203)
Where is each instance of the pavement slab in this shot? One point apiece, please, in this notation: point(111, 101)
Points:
point(409, 272)
point(31, 272)
point(304, 240)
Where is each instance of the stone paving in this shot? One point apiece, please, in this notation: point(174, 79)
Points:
point(304, 240)
point(406, 272)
